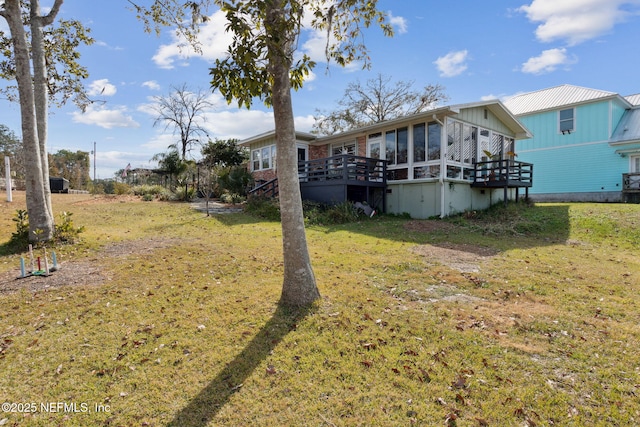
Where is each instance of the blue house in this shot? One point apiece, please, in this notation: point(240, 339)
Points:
point(435, 163)
point(585, 143)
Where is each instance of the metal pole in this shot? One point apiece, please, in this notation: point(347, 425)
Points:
point(7, 170)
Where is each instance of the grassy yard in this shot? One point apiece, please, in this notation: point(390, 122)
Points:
point(528, 316)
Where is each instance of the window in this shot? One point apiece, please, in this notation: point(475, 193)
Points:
point(263, 158)
point(390, 147)
point(635, 164)
point(566, 120)
point(435, 131)
point(419, 142)
point(403, 145)
point(343, 148)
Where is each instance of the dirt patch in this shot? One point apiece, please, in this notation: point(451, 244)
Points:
point(81, 273)
point(462, 257)
point(69, 274)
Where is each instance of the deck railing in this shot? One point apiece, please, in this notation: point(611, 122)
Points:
point(631, 182)
point(266, 189)
point(505, 172)
point(343, 167)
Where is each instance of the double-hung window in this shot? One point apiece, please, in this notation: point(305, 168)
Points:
point(263, 158)
point(566, 120)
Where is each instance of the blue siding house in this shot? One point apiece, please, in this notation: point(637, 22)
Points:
point(585, 143)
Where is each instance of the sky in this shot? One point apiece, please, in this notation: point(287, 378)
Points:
point(477, 50)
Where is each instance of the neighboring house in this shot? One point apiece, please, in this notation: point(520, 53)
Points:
point(435, 163)
point(585, 143)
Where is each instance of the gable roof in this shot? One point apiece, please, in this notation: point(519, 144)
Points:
point(559, 96)
point(628, 129)
point(633, 99)
point(300, 136)
point(495, 106)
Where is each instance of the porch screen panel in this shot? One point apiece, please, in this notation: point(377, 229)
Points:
point(454, 141)
point(390, 146)
point(469, 143)
point(496, 146)
point(419, 143)
point(435, 133)
point(509, 148)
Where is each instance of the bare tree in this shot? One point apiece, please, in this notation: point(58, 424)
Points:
point(183, 111)
point(379, 99)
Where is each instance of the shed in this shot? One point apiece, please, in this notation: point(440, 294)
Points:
point(59, 185)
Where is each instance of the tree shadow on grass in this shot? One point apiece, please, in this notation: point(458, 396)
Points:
point(206, 405)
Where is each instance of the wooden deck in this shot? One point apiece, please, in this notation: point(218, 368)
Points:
point(631, 187)
point(363, 179)
point(505, 174)
point(343, 178)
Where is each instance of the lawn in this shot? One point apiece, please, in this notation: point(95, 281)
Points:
point(163, 316)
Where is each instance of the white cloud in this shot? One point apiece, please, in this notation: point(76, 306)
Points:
point(548, 61)
point(101, 87)
point(398, 22)
point(151, 84)
point(105, 117)
point(575, 21)
point(214, 41)
point(453, 63)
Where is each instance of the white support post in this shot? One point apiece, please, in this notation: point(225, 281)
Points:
point(7, 170)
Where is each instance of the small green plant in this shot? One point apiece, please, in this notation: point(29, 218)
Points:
point(65, 231)
point(148, 197)
point(21, 218)
point(234, 198)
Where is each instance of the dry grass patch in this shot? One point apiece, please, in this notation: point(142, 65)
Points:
point(185, 330)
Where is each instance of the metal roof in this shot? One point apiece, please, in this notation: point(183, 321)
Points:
point(633, 99)
point(628, 129)
point(547, 99)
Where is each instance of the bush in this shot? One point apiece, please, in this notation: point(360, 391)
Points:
point(150, 192)
point(121, 188)
point(64, 230)
point(182, 194)
point(231, 198)
point(234, 180)
point(314, 213)
point(263, 207)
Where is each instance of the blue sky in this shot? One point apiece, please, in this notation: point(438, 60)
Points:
point(475, 49)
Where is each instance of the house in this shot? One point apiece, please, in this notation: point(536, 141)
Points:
point(435, 163)
point(585, 143)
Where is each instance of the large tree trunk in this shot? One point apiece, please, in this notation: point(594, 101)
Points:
point(299, 285)
point(41, 94)
point(40, 221)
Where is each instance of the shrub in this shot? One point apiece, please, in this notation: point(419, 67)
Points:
point(234, 198)
point(182, 194)
point(314, 213)
point(121, 188)
point(234, 180)
point(263, 207)
point(64, 230)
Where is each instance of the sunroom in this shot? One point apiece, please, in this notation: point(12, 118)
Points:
point(435, 163)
